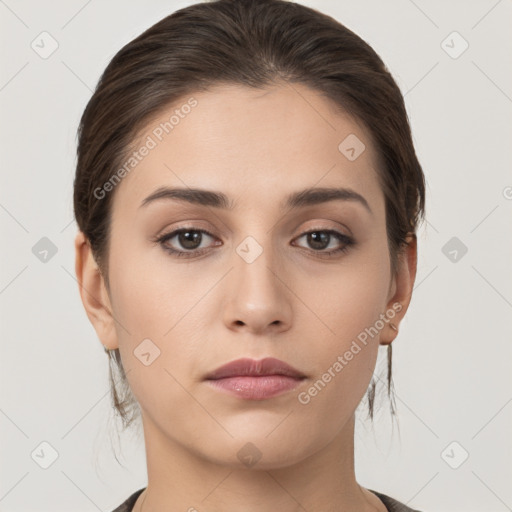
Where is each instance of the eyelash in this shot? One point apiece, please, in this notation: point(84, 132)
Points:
point(346, 240)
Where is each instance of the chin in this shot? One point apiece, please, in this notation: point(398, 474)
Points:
point(260, 450)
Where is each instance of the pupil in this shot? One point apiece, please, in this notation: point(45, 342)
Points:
point(190, 239)
point(318, 240)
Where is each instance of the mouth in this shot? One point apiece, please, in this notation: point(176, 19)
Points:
point(255, 379)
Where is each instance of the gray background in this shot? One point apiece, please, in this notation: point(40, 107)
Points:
point(452, 358)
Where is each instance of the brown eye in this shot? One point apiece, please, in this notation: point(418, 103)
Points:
point(320, 239)
point(187, 241)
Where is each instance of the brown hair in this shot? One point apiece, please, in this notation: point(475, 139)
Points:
point(254, 43)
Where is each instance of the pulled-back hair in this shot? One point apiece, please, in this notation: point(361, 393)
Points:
point(254, 43)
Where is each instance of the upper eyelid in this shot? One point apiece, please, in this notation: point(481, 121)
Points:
point(178, 229)
point(174, 232)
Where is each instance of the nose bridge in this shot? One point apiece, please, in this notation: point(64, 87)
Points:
point(258, 296)
point(255, 263)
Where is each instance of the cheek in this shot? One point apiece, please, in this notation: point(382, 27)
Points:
point(149, 293)
point(349, 304)
point(156, 300)
point(154, 311)
point(352, 297)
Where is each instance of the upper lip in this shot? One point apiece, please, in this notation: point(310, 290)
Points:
point(253, 367)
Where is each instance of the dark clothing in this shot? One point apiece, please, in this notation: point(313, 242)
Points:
point(391, 504)
point(127, 506)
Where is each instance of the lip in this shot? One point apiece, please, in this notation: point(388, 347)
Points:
point(255, 368)
point(253, 379)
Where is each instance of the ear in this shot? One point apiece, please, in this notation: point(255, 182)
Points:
point(93, 292)
point(401, 288)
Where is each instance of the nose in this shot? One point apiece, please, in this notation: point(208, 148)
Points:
point(258, 298)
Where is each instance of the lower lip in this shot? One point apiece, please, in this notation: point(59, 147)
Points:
point(256, 388)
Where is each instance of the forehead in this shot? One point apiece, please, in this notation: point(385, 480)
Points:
point(257, 144)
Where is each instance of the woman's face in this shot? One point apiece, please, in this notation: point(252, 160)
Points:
point(253, 284)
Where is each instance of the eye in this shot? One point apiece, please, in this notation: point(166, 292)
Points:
point(188, 240)
point(321, 239)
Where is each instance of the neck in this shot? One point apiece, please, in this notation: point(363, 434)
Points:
point(179, 479)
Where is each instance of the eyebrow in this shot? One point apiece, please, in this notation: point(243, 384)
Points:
point(302, 198)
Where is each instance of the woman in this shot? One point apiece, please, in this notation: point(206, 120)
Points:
point(247, 195)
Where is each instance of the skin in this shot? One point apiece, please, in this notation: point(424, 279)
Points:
point(256, 146)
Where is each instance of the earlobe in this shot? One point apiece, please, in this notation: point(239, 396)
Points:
point(93, 293)
point(404, 283)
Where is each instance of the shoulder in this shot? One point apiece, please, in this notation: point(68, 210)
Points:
point(393, 505)
point(127, 505)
